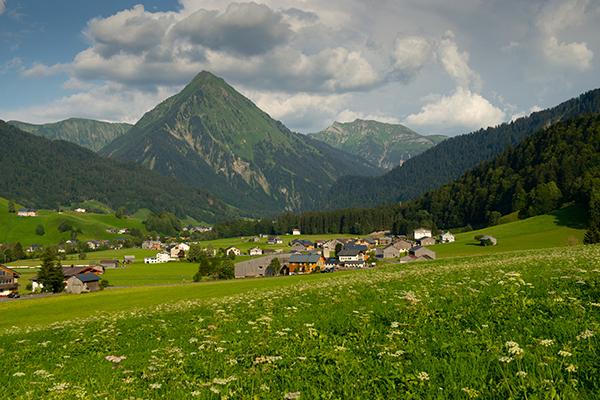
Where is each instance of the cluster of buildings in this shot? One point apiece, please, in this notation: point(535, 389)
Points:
point(166, 253)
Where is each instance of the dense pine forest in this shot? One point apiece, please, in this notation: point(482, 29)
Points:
point(451, 158)
point(557, 165)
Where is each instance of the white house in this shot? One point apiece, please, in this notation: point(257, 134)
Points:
point(233, 250)
point(351, 254)
point(422, 233)
point(80, 210)
point(255, 251)
point(177, 249)
point(447, 237)
point(27, 212)
point(160, 258)
point(296, 232)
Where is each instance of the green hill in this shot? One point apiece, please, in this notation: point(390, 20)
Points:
point(384, 145)
point(93, 226)
point(41, 173)
point(85, 132)
point(564, 227)
point(211, 137)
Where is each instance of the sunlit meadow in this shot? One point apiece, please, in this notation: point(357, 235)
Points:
point(524, 325)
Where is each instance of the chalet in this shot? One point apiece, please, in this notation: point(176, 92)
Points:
point(160, 258)
point(299, 245)
point(352, 253)
point(152, 245)
point(27, 212)
point(369, 242)
point(331, 264)
point(488, 240)
point(9, 281)
point(274, 240)
point(296, 232)
point(385, 240)
point(128, 259)
point(418, 253)
point(233, 250)
point(179, 250)
point(402, 245)
point(82, 283)
point(426, 241)
point(329, 247)
point(258, 267)
point(388, 252)
point(80, 210)
point(68, 273)
point(421, 233)
point(255, 251)
point(305, 263)
point(447, 237)
point(93, 244)
point(109, 264)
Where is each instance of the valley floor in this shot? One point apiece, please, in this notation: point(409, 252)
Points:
point(517, 325)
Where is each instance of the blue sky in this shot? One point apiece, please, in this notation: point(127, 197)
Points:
point(436, 67)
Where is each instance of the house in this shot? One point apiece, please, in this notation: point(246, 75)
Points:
point(385, 240)
point(274, 240)
point(82, 283)
point(109, 264)
point(68, 273)
point(487, 240)
point(369, 242)
point(352, 253)
point(9, 281)
point(296, 232)
point(258, 267)
point(80, 210)
point(179, 250)
point(447, 237)
point(93, 244)
point(123, 231)
point(233, 250)
point(299, 245)
point(33, 248)
point(418, 253)
point(426, 241)
point(402, 245)
point(151, 245)
point(388, 252)
point(160, 258)
point(305, 263)
point(27, 212)
point(355, 264)
point(331, 264)
point(255, 251)
point(128, 259)
point(329, 247)
point(421, 233)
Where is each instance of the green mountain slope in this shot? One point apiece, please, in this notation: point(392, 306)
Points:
point(210, 136)
point(41, 173)
point(85, 132)
point(384, 145)
point(451, 158)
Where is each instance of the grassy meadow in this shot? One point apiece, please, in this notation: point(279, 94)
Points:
point(523, 324)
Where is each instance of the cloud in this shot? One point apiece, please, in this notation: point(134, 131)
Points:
point(456, 63)
point(576, 55)
point(533, 109)
point(2, 6)
point(350, 116)
point(463, 109)
point(42, 70)
point(411, 54)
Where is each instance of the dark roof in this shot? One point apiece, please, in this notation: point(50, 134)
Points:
point(352, 250)
point(304, 258)
point(304, 242)
point(71, 271)
point(88, 277)
point(10, 271)
point(27, 210)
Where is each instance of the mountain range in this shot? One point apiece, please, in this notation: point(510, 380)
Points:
point(87, 133)
point(209, 136)
point(384, 145)
point(451, 158)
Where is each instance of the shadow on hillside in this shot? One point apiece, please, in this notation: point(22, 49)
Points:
point(573, 216)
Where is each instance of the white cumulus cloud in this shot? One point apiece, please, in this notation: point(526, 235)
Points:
point(2, 6)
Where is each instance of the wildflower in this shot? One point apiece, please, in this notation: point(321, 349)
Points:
point(266, 359)
point(521, 374)
point(42, 373)
point(115, 359)
point(196, 393)
point(264, 388)
point(340, 348)
point(505, 359)
point(59, 387)
point(585, 335)
point(292, 396)
point(571, 368)
point(155, 386)
point(19, 374)
point(471, 393)
point(514, 349)
point(546, 342)
point(395, 324)
point(215, 390)
point(411, 298)
point(224, 381)
point(564, 353)
point(423, 376)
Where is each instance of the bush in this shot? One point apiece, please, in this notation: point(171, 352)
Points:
point(40, 231)
point(104, 284)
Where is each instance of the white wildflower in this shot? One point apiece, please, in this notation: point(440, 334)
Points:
point(115, 359)
point(19, 374)
point(292, 396)
point(546, 342)
point(571, 368)
point(423, 376)
point(564, 353)
point(521, 374)
point(155, 386)
point(585, 335)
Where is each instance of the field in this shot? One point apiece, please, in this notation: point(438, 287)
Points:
point(93, 226)
point(523, 324)
point(564, 227)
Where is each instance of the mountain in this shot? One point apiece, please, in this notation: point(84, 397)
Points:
point(42, 173)
point(384, 145)
point(85, 132)
point(451, 158)
point(211, 137)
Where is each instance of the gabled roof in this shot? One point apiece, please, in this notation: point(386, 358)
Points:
point(304, 258)
point(10, 271)
point(87, 277)
point(352, 250)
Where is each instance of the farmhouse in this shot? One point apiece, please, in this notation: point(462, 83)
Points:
point(487, 240)
point(109, 264)
point(426, 241)
point(447, 237)
point(255, 251)
point(27, 212)
point(128, 259)
point(179, 250)
point(305, 263)
point(388, 252)
point(233, 250)
point(151, 245)
point(296, 232)
point(331, 264)
point(329, 247)
point(402, 245)
point(82, 283)
point(352, 253)
point(418, 253)
point(274, 240)
point(259, 266)
point(299, 245)
point(8, 281)
point(421, 233)
point(160, 258)
point(80, 210)
point(68, 273)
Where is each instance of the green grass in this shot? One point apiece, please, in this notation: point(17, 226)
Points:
point(517, 325)
point(564, 227)
point(93, 226)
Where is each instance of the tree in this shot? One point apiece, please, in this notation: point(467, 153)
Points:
point(274, 267)
point(17, 252)
point(120, 213)
point(493, 218)
point(51, 275)
point(11, 207)
point(204, 269)
point(592, 236)
point(39, 230)
point(195, 254)
point(226, 270)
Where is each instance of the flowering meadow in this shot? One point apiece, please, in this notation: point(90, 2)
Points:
point(518, 325)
